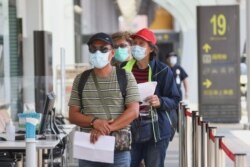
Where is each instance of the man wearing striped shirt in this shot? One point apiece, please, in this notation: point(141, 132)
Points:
point(93, 117)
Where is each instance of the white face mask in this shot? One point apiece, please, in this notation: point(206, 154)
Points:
point(173, 60)
point(99, 59)
point(138, 52)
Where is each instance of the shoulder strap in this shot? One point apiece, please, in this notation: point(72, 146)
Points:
point(82, 81)
point(106, 109)
point(122, 81)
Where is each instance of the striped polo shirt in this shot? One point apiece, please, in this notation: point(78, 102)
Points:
point(109, 87)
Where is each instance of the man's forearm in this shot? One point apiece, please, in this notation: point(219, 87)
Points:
point(126, 118)
point(80, 119)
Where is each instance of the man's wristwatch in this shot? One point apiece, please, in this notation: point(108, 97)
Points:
point(92, 121)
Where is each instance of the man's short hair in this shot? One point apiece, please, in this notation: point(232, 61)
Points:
point(126, 35)
point(171, 54)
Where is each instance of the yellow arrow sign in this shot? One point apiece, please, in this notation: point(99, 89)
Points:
point(207, 83)
point(206, 47)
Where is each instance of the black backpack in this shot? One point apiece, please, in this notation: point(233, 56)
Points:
point(121, 78)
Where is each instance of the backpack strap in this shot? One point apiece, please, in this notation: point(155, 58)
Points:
point(83, 79)
point(122, 81)
point(121, 78)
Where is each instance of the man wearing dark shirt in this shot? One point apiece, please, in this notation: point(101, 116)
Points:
point(179, 73)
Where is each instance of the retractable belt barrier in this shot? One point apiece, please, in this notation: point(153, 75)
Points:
point(199, 146)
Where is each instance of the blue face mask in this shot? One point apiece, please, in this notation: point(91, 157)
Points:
point(121, 54)
point(99, 59)
point(138, 52)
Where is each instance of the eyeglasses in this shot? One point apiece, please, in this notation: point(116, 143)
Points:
point(120, 46)
point(102, 49)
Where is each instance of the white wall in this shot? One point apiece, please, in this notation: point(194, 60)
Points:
point(59, 19)
point(55, 16)
point(5, 31)
point(31, 13)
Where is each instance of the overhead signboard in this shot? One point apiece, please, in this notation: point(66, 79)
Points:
point(218, 63)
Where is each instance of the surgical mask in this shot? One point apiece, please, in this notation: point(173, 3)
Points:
point(121, 54)
point(173, 60)
point(99, 59)
point(138, 52)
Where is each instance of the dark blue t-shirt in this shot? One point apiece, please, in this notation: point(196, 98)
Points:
point(179, 75)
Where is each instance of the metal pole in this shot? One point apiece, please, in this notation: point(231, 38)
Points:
point(62, 80)
point(180, 126)
point(194, 114)
point(184, 146)
point(198, 141)
point(216, 149)
point(189, 139)
point(204, 144)
point(211, 148)
point(240, 160)
point(218, 153)
point(39, 158)
point(31, 155)
point(222, 155)
point(248, 55)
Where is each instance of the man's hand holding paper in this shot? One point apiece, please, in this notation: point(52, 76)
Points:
point(101, 151)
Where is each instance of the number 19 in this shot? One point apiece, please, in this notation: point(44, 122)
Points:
point(219, 24)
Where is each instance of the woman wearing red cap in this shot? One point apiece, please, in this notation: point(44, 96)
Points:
point(161, 106)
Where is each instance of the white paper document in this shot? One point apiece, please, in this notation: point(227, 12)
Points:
point(146, 89)
point(101, 151)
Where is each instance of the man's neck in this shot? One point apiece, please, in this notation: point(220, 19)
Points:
point(143, 64)
point(104, 72)
point(172, 65)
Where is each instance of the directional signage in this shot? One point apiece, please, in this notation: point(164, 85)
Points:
point(218, 63)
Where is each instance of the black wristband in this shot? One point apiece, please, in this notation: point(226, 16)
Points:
point(92, 121)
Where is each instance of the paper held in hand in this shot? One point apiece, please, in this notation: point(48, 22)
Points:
point(101, 151)
point(146, 89)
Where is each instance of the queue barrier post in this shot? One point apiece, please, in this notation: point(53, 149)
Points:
point(188, 137)
point(194, 144)
point(240, 160)
point(198, 140)
point(204, 144)
point(181, 133)
point(218, 152)
point(211, 146)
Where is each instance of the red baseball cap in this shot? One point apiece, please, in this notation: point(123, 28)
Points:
point(145, 34)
